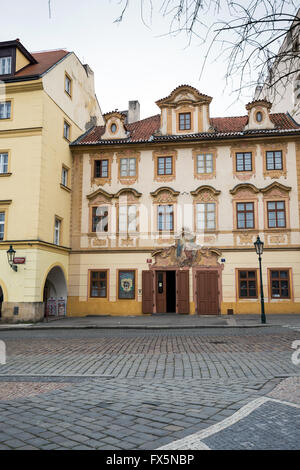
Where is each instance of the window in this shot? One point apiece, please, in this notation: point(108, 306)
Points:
point(2, 225)
point(206, 216)
point(3, 162)
point(245, 215)
point(57, 230)
point(274, 160)
point(66, 130)
point(100, 219)
point(165, 218)
point(127, 167)
point(5, 65)
point(297, 89)
point(113, 128)
point(247, 284)
point(205, 163)
point(127, 218)
point(244, 161)
point(64, 176)
point(259, 116)
point(276, 214)
point(98, 284)
point(5, 110)
point(184, 121)
point(101, 169)
point(68, 85)
point(280, 284)
point(165, 166)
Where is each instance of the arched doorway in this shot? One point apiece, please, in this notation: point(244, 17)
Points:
point(55, 293)
point(1, 300)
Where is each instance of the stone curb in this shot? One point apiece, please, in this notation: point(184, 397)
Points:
point(130, 327)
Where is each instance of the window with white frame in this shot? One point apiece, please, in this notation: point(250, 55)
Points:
point(165, 218)
point(206, 216)
point(127, 167)
point(68, 85)
point(5, 65)
point(57, 231)
point(64, 176)
point(5, 110)
point(2, 225)
point(205, 163)
point(100, 219)
point(66, 130)
point(3, 163)
point(127, 218)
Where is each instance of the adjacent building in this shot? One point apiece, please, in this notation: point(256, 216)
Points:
point(166, 211)
point(282, 85)
point(47, 100)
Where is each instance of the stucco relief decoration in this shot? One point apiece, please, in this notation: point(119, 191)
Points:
point(246, 238)
point(98, 242)
point(186, 253)
point(277, 239)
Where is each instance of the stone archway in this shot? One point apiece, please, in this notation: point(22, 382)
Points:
point(55, 293)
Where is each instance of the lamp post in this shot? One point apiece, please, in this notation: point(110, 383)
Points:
point(259, 248)
point(10, 257)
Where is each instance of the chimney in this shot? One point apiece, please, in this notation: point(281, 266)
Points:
point(133, 111)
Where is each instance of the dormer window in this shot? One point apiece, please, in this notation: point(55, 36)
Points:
point(184, 121)
point(5, 65)
point(259, 116)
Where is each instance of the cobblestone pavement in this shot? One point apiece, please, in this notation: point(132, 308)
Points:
point(123, 389)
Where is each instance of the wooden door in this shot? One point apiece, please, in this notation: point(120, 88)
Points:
point(147, 292)
point(182, 283)
point(161, 292)
point(207, 293)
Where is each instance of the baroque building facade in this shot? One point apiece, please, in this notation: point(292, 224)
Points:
point(47, 100)
point(166, 211)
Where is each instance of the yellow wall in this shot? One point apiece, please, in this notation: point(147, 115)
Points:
point(21, 60)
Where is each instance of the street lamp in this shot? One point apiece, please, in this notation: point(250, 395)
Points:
point(259, 248)
point(10, 257)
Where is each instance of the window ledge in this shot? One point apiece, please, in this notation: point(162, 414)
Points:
point(66, 188)
point(5, 174)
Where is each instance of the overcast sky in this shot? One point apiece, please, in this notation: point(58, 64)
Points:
point(130, 61)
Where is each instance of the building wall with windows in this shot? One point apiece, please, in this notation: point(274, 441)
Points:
point(282, 85)
point(35, 191)
point(173, 203)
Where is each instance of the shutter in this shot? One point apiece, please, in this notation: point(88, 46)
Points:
point(147, 291)
point(183, 302)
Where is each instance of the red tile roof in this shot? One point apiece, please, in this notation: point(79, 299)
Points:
point(45, 60)
point(147, 129)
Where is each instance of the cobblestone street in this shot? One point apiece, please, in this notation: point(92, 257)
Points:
point(124, 388)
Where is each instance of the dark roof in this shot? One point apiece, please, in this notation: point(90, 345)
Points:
point(147, 130)
point(40, 62)
point(45, 60)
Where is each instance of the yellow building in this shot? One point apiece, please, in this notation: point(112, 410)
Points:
point(166, 211)
point(47, 100)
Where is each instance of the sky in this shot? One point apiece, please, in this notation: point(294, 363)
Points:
point(130, 61)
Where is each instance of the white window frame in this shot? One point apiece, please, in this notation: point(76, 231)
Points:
point(2, 225)
point(128, 166)
point(67, 129)
point(127, 222)
point(5, 109)
point(207, 164)
point(202, 208)
point(3, 163)
point(64, 176)
point(5, 65)
point(57, 231)
point(68, 85)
